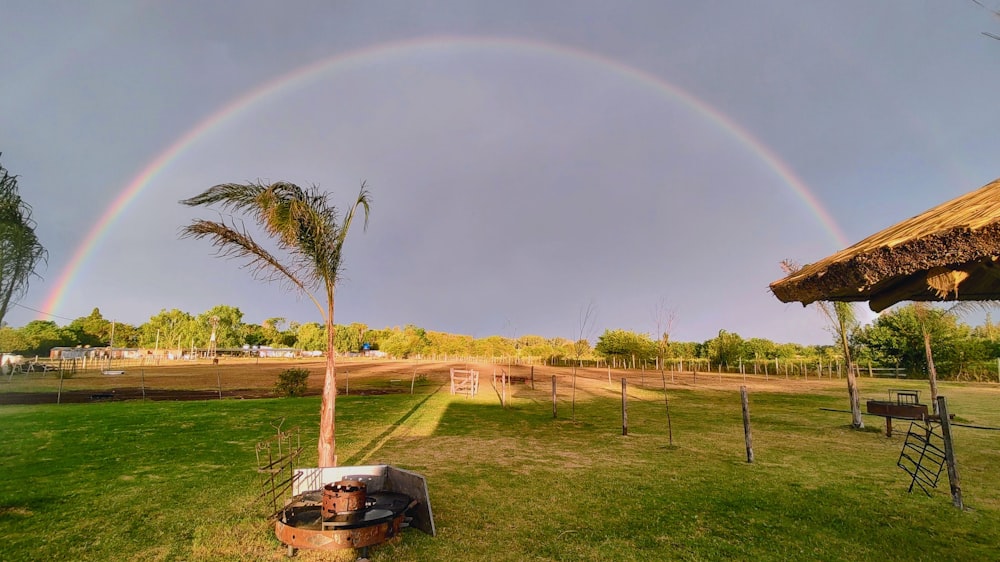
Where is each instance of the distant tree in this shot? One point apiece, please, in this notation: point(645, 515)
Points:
point(125, 335)
point(168, 329)
point(20, 250)
point(989, 329)
point(40, 336)
point(374, 337)
point(896, 337)
point(793, 350)
point(490, 346)
point(920, 337)
point(308, 229)
point(272, 331)
point(450, 344)
point(726, 347)
point(408, 342)
point(534, 346)
point(11, 340)
point(228, 329)
point(310, 337)
point(91, 330)
point(947, 322)
point(253, 335)
point(623, 345)
point(350, 338)
point(760, 348)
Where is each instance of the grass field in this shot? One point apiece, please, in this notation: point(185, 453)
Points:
point(175, 480)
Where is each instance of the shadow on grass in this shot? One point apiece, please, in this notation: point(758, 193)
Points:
point(369, 448)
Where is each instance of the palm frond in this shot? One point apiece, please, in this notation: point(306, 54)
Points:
point(20, 249)
point(363, 201)
point(961, 308)
point(229, 196)
point(301, 222)
point(235, 243)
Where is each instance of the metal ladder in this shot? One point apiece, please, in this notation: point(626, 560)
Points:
point(923, 455)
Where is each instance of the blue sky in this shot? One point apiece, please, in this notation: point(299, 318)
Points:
point(526, 158)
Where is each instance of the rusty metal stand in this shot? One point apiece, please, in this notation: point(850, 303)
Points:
point(276, 459)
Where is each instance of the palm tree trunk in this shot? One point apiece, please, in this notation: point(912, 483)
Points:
point(931, 370)
point(327, 454)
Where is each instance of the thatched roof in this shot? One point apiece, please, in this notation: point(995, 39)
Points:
point(951, 252)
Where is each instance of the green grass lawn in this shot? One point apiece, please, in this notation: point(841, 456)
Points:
point(176, 480)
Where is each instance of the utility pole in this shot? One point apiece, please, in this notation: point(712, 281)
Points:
point(111, 347)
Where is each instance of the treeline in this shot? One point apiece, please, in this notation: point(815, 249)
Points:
point(959, 351)
point(895, 339)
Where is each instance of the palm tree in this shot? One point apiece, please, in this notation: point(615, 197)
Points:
point(309, 230)
point(20, 250)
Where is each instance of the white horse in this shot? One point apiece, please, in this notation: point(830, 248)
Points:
point(9, 361)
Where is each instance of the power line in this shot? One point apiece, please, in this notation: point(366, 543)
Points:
point(43, 312)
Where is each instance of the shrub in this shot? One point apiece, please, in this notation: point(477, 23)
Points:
point(292, 382)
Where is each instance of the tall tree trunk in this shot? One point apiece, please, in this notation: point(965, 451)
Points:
point(931, 370)
point(327, 454)
point(852, 383)
point(852, 390)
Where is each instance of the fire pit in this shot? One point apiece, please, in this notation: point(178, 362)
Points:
point(359, 507)
point(343, 498)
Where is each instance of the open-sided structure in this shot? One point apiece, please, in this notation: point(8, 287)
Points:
point(950, 252)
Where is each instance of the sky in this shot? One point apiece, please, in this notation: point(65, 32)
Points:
point(526, 159)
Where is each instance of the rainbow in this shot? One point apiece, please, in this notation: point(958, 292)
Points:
point(313, 71)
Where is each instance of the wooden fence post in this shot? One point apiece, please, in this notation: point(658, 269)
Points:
point(413, 378)
point(949, 453)
point(553, 396)
point(746, 423)
point(624, 406)
point(503, 388)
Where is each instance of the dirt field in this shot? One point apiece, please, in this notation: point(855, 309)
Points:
point(252, 378)
point(231, 378)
